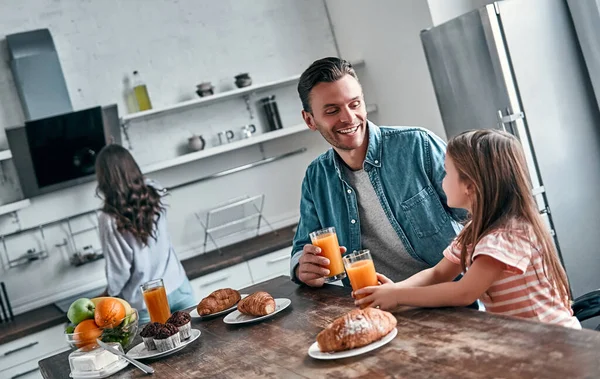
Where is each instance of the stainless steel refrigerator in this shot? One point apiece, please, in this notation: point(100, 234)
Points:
point(517, 65)
point(586, 16)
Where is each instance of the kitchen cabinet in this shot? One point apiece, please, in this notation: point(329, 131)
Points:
point(270, 265)
point(236, 277)
point(27, 370)
point(21, 356)
point(244, 274)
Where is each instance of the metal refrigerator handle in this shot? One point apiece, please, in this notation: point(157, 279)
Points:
point(538, 190)
point(509, 118)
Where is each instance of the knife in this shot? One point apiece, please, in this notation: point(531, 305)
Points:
point(145, 368)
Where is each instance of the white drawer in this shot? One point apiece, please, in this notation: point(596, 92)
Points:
point(27, 370)
point(235, 277)
point(271, 265)
point(34, 346)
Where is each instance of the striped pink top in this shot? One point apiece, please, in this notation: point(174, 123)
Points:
point(524, 289)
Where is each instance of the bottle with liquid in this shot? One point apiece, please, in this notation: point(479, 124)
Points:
point(129, 96)
point(141, 92)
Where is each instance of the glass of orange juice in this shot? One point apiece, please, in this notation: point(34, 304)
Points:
point(155, 297)
point(361, 271)
point(326, 240)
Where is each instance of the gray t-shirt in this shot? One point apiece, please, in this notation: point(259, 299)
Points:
point(377, 234)
point(129, 263)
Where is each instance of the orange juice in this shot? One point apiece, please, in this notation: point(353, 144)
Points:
point(157, 304)
point(362, 274)
point(361, 271)
point(330, 249)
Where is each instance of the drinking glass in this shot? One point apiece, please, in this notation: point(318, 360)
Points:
point(326, 239)
point(155, 297)
point(361, 271)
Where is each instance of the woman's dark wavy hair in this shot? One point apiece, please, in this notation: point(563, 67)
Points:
point(135, 206)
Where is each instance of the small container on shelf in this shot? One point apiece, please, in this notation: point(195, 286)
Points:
point(205, 89)
point(196, 143)
point(243, 80)
point(271, 112)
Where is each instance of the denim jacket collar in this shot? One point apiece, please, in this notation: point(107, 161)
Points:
point(373, 149)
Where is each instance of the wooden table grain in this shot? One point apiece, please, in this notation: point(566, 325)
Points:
point(431, 343)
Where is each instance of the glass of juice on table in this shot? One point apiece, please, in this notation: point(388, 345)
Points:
point(327, 241)
point(361, 271)
point(155, 297)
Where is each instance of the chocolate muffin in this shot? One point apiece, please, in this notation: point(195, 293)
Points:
point(182, 320)
point(148, 334)
point(167, 337)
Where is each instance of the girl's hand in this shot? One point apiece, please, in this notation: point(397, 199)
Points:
point(383, 296)
point(382, 279)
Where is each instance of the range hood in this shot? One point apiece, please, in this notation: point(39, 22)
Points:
point(38, 74)
point(57, 146)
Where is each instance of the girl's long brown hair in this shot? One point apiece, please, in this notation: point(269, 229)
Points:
point(494, 164)
point(135, 206)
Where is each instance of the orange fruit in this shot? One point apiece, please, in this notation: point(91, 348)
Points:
point(86, 333)
point(109, 313)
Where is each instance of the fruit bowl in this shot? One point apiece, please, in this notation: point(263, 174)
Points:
point(124, 332)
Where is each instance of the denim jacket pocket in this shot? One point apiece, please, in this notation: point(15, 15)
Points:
point(425, 212)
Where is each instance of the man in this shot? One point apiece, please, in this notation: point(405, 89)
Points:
point(380, 187)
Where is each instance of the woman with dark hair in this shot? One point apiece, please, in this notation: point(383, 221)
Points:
point(133, 233)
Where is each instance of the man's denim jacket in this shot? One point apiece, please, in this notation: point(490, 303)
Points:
point(406, 168)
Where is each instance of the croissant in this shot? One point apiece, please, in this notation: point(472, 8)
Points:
point(218, 301)
point(258, 304)
point(357, 328)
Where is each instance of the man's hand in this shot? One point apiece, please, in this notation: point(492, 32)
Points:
point(311, 270)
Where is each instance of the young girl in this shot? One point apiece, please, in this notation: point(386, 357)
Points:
point(513, 269)
point(133, 234)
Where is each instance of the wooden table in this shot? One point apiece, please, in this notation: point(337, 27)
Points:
point(431, 343)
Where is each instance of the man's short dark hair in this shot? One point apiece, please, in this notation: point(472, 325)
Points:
point(327, 70)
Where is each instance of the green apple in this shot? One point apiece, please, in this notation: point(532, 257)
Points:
point(81, 309)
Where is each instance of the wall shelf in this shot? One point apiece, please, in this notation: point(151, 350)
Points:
point(183, 159)
point(215, 98)
point(190, 157)
point(5, 154)
point(12, 207)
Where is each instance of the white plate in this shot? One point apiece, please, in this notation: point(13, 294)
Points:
point(236, 317)
point(140, 351)
point(314, 351)
point(194, 312)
